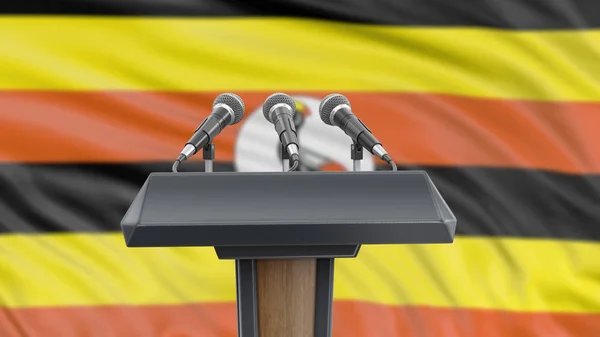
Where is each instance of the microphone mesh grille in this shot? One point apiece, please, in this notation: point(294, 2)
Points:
point(277, 99)
point(329, 103)
point(234, 102)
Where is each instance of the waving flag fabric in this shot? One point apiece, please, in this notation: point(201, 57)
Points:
point(498, 100)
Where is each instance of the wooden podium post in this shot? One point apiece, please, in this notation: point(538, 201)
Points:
point(284, 296)
point(283, 284)
point(284, 231)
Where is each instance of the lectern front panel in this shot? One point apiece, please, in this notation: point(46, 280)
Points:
point(288, 208)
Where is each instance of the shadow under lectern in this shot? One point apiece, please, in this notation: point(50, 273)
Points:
point(284, 230)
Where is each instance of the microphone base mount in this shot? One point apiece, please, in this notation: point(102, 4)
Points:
point(356, 154)
point(208, 155)
point(285, 159)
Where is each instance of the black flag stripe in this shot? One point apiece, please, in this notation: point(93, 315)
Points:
point(486, 201)
point(503, 14)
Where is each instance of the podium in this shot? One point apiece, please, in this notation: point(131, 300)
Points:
point(284, 230)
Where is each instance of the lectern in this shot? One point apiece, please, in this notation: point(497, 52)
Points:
point(284, 231)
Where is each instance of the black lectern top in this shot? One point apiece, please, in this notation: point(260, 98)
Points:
point(288, 209)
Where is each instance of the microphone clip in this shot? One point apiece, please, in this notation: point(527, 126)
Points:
point(208, 152)
point(356, 151)
point(208, 155)
point(356, 154)
point(284, 153)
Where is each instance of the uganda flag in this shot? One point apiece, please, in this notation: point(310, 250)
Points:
point(498, 100)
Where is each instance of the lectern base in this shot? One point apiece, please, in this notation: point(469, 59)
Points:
point(284, 297)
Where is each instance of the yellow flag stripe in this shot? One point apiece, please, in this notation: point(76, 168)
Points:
point(276, 54)
point(486, 273)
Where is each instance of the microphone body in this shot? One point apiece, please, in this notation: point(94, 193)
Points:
point(343, 118)
point(283, 120)
point(228, 109)
point(280, 109)
point(220, 117)
point(335, 110)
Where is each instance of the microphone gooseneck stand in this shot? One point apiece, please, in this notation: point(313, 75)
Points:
point(356, 154)
point(285, 159)
point(208, 155)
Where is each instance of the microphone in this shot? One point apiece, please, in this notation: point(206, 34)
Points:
point(280, 109)
point(228, 109)
point(335, 110)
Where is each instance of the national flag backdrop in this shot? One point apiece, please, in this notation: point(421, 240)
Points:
point(498, 100)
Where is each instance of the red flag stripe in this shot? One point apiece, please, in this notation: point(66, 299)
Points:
point(417, 129)
point(351, 319)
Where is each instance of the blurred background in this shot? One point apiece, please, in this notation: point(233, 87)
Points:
point(498, 100)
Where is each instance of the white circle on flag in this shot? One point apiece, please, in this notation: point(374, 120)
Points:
point(322, 146)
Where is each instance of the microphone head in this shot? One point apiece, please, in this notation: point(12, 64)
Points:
point(328, 104)
point(234, 102)
point(278, 98)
